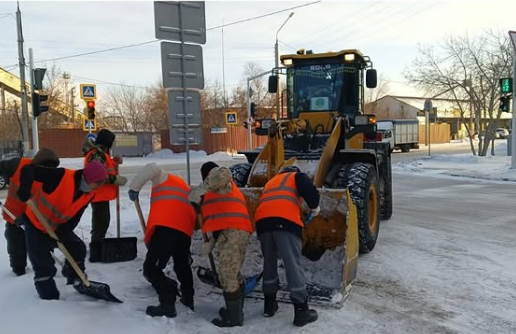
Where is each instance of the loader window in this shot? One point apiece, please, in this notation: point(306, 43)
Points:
point(323, 87)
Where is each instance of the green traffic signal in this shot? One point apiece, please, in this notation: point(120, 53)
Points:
point(506, 85)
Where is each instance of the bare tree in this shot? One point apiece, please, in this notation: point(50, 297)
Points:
point(373, 95)
point(59, 112)
point(466, 69)
point(124, 108)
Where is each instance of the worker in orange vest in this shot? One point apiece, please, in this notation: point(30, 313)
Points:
point(100, 215)
point(15, 236)
point(168, 234)
point(61, 199)
point(227, 223)
point(280, 233)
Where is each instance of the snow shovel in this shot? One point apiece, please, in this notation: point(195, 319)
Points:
point(86, 287)
point(140, 215)
point(210, 276)
point(118, 249)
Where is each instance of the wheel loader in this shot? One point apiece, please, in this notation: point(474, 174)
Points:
point(325, 132)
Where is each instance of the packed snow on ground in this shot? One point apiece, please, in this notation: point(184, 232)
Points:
point(22, 312)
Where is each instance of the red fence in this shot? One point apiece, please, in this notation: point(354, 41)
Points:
point(233, 140)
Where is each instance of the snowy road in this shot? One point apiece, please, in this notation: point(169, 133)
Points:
point(443, 264)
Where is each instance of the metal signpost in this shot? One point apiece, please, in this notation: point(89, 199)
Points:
point(427, 108)
point(512, 34)
point(182, 67)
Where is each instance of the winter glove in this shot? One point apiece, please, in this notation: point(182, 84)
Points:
point(133, 195)
point(118, 159)
point(315, 212)
point(120, 180)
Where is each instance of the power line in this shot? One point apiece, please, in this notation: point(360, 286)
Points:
point(156, 40)
point(262, 16)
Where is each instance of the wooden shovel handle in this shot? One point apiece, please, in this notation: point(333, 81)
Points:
point(62, 248)
point(140, 215)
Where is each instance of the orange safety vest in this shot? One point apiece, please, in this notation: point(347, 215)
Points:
point(106, 192)
point(59, 206)
point(12, 202)
point(225, 211)
point(280, 198)
point(170, 207)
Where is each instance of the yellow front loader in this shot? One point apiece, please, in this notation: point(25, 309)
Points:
point(327, 136)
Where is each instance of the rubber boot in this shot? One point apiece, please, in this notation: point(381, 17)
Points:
point(270, 306)
point(303, 315)
point(95, 251)
point(234, 315)
point(47, 289)
point(18, 271)
point(187, 300)
point(165, 308)
point(222, 310)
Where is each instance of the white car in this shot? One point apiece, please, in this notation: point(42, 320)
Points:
point(502, 133)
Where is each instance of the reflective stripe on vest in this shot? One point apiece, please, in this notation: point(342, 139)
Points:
point(59, 206)
point(280, 198)
point(225, 211)
point(106, 192)
point(12, 202)
point(170, 207)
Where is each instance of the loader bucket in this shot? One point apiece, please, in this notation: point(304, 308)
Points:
point(330, 249)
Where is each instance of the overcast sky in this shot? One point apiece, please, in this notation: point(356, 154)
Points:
point(387, 31)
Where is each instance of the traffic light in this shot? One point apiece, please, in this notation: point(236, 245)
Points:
point(38, 104)
point(506, 85)
point(505, 102)
point(253, 109)
point(90, 108)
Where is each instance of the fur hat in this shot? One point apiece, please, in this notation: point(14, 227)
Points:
point(206, 169)
point(46, 157)
point(105, 138)
point(95, 172)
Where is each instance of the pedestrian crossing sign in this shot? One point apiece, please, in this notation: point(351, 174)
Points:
point(89, 125)
point(231, 117)
point(88, 92)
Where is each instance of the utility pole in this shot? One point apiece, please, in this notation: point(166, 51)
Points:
point(23, 88)
point(470, 90)
point(35, 133)
point(277, 61)
point(72, 105)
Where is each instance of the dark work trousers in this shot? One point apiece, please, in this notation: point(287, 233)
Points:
point(39, 246)
point(16, 248)
point(287, 246)
point(165, 243)
point(100, 217)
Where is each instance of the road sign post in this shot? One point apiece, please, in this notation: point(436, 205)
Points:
point(512, 35)
point(427, 108)
point(182, 22)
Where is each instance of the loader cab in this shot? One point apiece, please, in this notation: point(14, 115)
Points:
point(329, 83)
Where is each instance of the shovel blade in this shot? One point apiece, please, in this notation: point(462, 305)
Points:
point(252, 282)
point(96, 290)
point(207, 276)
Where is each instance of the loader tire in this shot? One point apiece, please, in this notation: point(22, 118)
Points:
point(386, 196)
point(362, 181)
point(240, 173)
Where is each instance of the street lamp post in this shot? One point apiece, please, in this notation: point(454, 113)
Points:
point(277, 58)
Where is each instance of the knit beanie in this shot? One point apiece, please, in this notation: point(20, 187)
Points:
point(46, 157)
point(95, 172)
point(206, 169)
point(105, 138)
